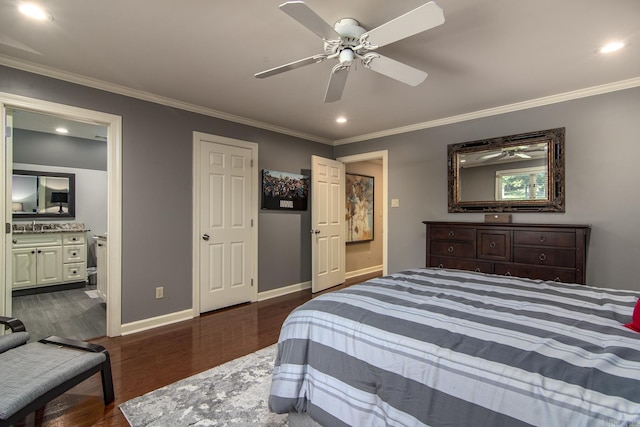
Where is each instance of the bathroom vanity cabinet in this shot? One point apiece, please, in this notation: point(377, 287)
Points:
point(48, 258)
point(101, 263)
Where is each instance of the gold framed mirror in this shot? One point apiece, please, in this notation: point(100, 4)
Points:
point(515, 173)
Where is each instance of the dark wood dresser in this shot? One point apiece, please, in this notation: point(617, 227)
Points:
point(537, 251)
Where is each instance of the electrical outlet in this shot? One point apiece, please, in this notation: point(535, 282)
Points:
point(160, 292)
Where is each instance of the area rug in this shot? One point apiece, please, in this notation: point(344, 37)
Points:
point(232, 394)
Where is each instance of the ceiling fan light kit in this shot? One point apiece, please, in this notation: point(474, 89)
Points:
point(347, 41)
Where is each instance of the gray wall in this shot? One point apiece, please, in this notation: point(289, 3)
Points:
point(156, 160)
point(58, 150)
point(602, 142)
point(602, 148)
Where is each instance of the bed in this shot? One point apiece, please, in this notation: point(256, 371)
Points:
point(456, 348)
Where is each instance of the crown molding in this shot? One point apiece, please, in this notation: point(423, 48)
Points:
point(146, 96)
point(518, 106)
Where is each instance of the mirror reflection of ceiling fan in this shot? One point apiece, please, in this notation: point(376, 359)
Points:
point(521, 152)
point(347, 41)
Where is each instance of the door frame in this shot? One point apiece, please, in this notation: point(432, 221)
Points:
point(114, 197)
point(384, 156)
point(255, 198)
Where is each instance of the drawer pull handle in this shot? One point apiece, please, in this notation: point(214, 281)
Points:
point(440, 266)
point(73, 254)
point(542, 238)
point(452, 233)
point(15, 241)
point(542, 257)
point(492, 245)
point(450, 249)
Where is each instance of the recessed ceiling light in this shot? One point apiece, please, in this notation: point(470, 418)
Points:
point(62, 130)
point(612, 47)
point(34, 11)
point(341, 120)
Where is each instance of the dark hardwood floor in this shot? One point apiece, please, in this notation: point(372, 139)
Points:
point(147, 360)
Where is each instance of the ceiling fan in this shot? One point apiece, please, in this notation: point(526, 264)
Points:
point(347, 41)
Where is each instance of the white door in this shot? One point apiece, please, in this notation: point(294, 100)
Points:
point(327, 223)
point(225, 225)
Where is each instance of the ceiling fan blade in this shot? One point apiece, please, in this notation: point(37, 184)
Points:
point(421, 19)
point(302, 13)
point(522, 155)
point(336, 83)
point(492, 155)
point(291, 66)
point(394, 69)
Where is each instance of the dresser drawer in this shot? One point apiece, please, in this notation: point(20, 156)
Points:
point(73, 238)
point(73, 253)
point(454, 249)
point(545, 256)
point(453, 234)
point(535, 272)
point(74, 272)
point(562, 239)
point(461, 264)
point(494, 245)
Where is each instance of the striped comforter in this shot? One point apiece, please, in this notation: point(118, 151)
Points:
point(452, 348)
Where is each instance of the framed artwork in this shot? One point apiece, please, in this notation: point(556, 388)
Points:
point(284, 191)
point(359, 207)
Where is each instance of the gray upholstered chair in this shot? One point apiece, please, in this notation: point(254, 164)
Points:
point(32, 374)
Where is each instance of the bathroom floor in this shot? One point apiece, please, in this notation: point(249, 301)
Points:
point(75, 313)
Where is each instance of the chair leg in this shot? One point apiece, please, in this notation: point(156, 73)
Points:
point(39, 416)
point(107, 381)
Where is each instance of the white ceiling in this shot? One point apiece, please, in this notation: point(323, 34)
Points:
point(202, 55)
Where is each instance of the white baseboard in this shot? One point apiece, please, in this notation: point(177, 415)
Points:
point(167, 319)
point(363, 271)
point(262, 296)
point(154, 322)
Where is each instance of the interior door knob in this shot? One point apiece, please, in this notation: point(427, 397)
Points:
point(315, 231)
point(205, 237)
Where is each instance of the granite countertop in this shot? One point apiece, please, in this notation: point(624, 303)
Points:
point(54, 227)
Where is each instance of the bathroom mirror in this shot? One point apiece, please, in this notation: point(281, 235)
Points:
point(516, 173)
point(37, 194)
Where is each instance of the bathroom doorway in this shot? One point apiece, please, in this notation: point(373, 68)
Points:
point(91, 153)
point(46, 147)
